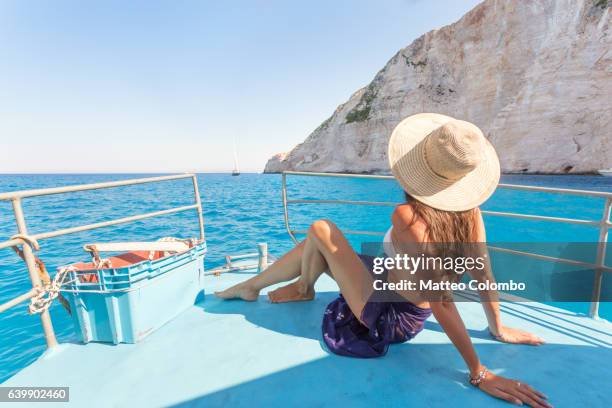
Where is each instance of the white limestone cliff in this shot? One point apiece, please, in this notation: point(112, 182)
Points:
point(535, 76)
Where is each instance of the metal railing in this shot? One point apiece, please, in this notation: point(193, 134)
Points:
point(29, 243)
point(603, 223)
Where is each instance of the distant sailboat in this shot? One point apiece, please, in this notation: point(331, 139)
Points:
point(236, 171)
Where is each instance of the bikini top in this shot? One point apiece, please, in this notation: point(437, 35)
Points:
point(388, 244)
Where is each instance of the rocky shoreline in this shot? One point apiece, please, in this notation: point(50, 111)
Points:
point(534, 76)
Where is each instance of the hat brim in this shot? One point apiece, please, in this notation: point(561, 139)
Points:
point(406, 153)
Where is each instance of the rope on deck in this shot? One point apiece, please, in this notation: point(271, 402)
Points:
point(46, 294)
point(38, 302)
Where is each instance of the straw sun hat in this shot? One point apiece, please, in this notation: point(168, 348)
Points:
point(443, 162)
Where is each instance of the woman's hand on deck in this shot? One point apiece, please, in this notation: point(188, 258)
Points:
point(516, 336)
point(513, 391)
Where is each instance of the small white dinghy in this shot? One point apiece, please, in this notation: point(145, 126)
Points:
point(606, 172)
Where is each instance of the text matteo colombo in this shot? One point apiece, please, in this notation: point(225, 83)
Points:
point(457, 264)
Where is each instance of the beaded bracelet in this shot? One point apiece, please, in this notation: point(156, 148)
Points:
point(482, 374)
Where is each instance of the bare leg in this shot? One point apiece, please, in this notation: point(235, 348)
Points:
point(313, 265)
point(327, 249)
point(286, 268)
point(354, 280)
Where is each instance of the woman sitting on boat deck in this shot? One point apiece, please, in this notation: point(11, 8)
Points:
point(447, 169)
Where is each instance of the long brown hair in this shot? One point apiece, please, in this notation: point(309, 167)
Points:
point(446, 234)
point(445, 226)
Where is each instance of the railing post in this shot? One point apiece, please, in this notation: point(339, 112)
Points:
point(601, 258)
point(28, 255)
point(286, 210)
point(198, 201)
point(262, 256)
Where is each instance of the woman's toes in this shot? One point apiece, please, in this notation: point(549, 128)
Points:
point(224, 294)
point(294, 292)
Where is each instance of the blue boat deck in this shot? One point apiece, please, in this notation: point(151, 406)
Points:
point(234, 353)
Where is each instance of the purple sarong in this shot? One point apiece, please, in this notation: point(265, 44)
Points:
point(385, 323)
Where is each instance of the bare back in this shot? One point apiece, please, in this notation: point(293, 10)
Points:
point(408, 230)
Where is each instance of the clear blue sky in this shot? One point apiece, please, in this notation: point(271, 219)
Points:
point(165, 86)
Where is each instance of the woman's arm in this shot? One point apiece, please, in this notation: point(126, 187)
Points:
point(510, 390)
point(447, 315)
point(489, 298)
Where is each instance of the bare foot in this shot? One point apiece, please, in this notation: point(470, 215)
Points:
point(240, 291)
point(293, 292)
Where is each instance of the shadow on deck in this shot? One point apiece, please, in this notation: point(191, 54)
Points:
point(234, 353)
point(423, 375)
point(427, 371)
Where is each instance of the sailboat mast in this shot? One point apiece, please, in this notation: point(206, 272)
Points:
point(236, 170)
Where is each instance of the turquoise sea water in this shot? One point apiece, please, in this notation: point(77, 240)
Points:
point(239, 212)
